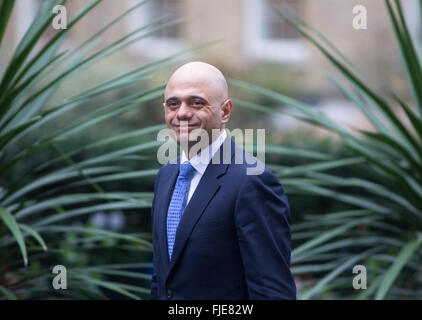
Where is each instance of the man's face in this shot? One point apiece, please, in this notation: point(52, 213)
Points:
point(195, 102)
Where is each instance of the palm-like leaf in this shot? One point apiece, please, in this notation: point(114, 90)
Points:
point(387, 205)
point(33, 204)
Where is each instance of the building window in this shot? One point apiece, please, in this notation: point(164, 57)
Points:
point(274, 27)
point(268, 37)
point(413, 16)
point(172, 8)
point(26, 12)
point(164, 42)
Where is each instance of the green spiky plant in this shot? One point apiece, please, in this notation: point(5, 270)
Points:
point(382, 229)
point(39, 203)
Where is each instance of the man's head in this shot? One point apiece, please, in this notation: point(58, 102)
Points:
point(197, 95)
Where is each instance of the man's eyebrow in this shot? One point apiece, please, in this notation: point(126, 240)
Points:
point(197, 97)
point(190, 97)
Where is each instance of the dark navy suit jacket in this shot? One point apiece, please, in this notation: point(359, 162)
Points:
point(233, 240)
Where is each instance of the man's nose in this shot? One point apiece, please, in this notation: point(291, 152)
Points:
point(184, 112)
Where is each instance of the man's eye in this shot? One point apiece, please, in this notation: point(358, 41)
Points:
point(198, 103)
point(172, 104)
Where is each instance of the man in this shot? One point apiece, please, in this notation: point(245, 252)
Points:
point(218, 232)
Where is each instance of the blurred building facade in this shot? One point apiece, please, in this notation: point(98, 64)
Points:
point(250, 30)
point(250, 33)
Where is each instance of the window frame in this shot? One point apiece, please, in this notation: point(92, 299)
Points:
point(152, 46)
point(412, 14)
point(257, 47)
point(25, 14)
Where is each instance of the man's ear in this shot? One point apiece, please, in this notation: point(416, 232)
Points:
point(226, 110)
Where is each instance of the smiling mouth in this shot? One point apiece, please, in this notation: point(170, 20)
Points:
point(185, 128)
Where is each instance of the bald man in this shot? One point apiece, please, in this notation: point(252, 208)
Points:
point(218, 232)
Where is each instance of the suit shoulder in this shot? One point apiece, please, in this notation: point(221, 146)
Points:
point(248, 166)
point(165, 172)
point(169, 166)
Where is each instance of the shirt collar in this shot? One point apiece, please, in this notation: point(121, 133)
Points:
point(201, 160)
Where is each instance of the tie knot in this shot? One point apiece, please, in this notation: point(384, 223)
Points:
point(186, 170)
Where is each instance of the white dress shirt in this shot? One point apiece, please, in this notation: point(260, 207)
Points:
point(200, 163)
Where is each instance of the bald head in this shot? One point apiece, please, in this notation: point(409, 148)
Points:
point(200, 74)
point(196, 97)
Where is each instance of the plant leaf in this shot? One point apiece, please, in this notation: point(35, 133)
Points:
point(10, 222)
point(393, 272)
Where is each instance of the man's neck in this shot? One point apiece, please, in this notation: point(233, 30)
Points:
point(195, 148)
point(214, 145)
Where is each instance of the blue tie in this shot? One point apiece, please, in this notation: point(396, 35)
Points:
point(177, 203)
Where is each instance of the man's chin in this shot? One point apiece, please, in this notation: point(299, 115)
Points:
point(187, 137)
point(185, 129)
point(186, 133)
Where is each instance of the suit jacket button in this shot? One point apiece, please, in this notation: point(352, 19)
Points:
point(169, 294)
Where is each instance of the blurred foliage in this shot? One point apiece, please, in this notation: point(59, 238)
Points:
point(382, 227)
point(70, 177)
point(72, 150)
